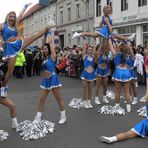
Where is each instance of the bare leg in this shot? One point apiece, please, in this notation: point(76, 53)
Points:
point(8, 103)
point(117, 91)
point(11, 66)
point(29, 40)
point(126, 91)
point(89, 90)
point(134, 88)
point(57, 94)
point(126, 135)
point(105, 80)
point(98, 85)
point(43, 97)
point(84, 85)
point(90, 34)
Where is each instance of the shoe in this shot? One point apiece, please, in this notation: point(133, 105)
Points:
point(89, 104)
point(62, 120)
point(14, 125)
point(85, 104)
point(97, 101)
point(134, 101)
point(143, 99)
point(131, 38)
point(76, 34)
point(105, 99)
point(128, 108)
point(104, 139)
point(36, 119)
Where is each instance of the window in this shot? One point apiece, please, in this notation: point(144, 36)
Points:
point(61, 17)
point(145, 28)
point(78, 11)
point(124, 5)
point(69, 14)
point(127, 30)
point(69, 39)
point(98, 8)
point(109, 2)
point(142, 2)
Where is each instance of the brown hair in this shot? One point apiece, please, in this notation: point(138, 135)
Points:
point(105, 8)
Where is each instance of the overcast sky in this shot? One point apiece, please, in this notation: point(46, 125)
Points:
point(13, 5)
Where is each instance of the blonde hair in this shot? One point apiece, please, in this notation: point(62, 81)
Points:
point(105, 8)
point(8, 15)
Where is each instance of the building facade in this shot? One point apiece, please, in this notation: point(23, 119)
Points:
point(72, 16)
point(37, 18)
point(129, 16)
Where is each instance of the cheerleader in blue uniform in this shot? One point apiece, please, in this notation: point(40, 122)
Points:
point(121, 74)
point(14, 42)
point(50, 82)
point(105, 28)
point(102, 71)
point(88, 74)
point(140, 129)
point(130, 64)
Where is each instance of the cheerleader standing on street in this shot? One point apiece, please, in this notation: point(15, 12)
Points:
point(14, 42)
point(50, 81)
point(102, 71)
point(121, 75)
point(105, 28)
point(130, 64)
point(88, 74)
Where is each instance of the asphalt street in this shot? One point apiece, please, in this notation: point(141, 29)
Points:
point(83, 126)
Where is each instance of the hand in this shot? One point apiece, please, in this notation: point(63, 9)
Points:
point(27, 5)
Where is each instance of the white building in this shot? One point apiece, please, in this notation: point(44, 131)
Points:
point(129, 16)
point(36, 19)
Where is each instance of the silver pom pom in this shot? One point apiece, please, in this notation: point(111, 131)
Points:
point(111, 110)
point(3, 135)
point(110, 94)
point(34, 130)
point(76, 103)
point(142, 111)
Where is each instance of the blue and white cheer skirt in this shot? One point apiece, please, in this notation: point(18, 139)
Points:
point(88, 76)
point(102, 72)
point(104, 31)
point(121, 74)
point(51, 82)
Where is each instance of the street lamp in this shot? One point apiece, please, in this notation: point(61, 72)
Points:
point(86, 2)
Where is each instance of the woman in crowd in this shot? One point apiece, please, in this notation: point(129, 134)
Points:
point(50, 81)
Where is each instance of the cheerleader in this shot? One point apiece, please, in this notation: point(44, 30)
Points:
point(130, 64)
point(121, 74)
point(140, 129)
point(50, 82)
point(105, 28)
point(88, 74)
point(14, 42)
point(102, 71)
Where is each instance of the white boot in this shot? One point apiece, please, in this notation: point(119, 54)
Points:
point(14, 123)
point(131, 38)
point(89, 104)
point(105, 99)
point(37, 118)
point(86, 104)
point(108, 139)
point(62, 117)
point(143, 99)
point(128, 108)
point(97, 101)
point(134, 101)
point(76, 34)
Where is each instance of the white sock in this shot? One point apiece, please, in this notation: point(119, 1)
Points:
point(2, 89)
point(88, 101)
point(112, 139)
point(117, 104)
point(39, 114)
point(14, 120)
point(128, 107)
point(96, 97)
point(134, 98)
point(63, 113)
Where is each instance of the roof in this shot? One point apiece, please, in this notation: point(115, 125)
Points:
point(32, 10)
